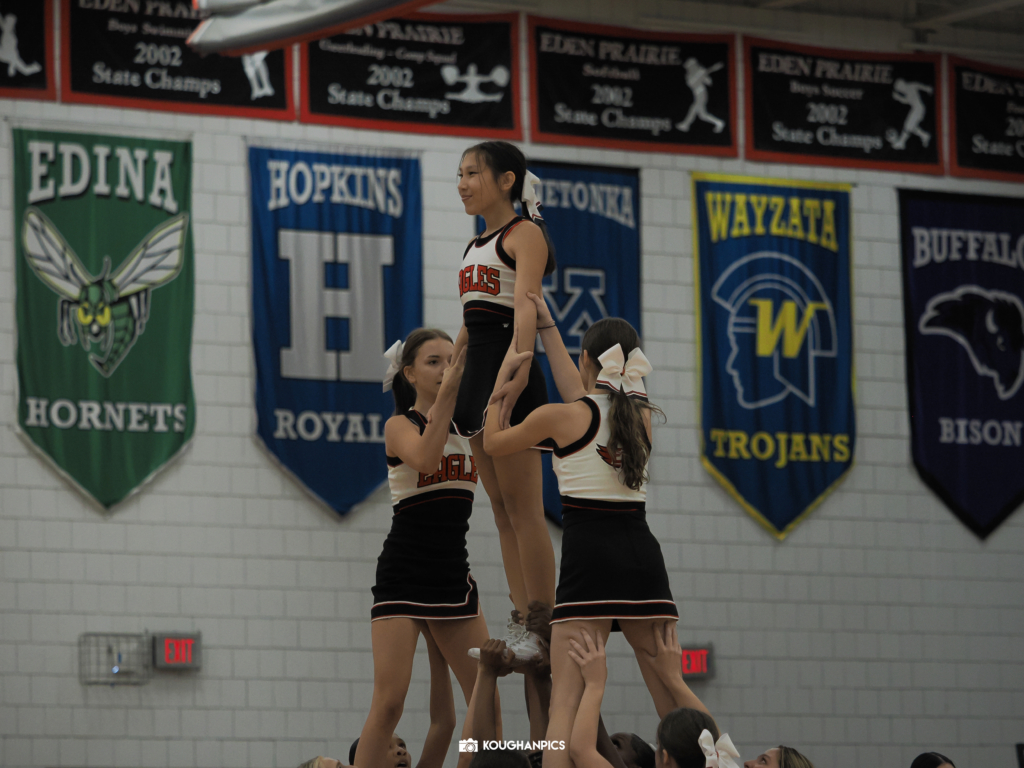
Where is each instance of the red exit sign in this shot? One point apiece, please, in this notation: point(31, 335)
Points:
point(178, 650)
point(698, 663)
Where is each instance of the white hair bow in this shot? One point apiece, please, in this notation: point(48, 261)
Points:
point(718, 754)
point(624, 374)
point(394, 358)
point(531, 203)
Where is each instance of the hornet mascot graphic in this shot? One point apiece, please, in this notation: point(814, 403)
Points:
point(780, 322)
point(109, 310)
point(989, 325)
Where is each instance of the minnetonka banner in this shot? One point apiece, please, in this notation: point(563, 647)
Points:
point(427, 74)
point(337, 278)
point(987, 125)
point(133, 54)
point(593, 216)
point(604, 87)
point(847, 108)
point(772, 263)
point(963, 301)
point(26, 51)
point(104, 279)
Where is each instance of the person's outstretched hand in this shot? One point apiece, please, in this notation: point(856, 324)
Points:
point(591, 659)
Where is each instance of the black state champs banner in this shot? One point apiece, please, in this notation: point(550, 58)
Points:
point(963, 302)
point(337, 278)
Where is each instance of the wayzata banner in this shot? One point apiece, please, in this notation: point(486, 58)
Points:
point(772, 263)
point(104, 304)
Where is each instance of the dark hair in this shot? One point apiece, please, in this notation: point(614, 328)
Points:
point(790, 758)
point(642, 750)
point(404, 392)
point(502, 157)
point(500, 758)
point(678, 734)
point(352, 752)
point(930, 760)
point(626, 419)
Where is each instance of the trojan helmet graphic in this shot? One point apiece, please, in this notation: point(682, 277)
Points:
point(780, 322)
point(989, 325)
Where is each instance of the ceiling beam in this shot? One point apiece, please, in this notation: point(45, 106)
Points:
point(977, 9)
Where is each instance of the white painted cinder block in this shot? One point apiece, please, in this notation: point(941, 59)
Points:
point(879, 629)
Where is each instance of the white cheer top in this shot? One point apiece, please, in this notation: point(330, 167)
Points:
point(586, 469)
point(487, 279)
point(456, 475)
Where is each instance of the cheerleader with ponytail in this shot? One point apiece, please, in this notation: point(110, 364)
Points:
point(498, 269)
point(612, 575)
point(423, 584)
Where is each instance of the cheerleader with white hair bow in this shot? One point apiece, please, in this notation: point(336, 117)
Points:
point(423, 584)
point(498, 268)
point(612, 574)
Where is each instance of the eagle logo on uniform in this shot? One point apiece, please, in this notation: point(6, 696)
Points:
point(615, 462)
point(989, 325)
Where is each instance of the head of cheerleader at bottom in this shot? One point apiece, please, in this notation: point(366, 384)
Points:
point(398, 754)
point(416, 366)
point(634, 751)
point(689, 738)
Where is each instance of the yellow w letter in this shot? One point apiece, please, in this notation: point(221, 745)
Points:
point(769, 328)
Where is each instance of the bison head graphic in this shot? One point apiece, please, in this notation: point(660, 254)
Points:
point(989, 325)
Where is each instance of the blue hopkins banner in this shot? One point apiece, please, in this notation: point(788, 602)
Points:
point(772, 264)
point(963, 302)
point(336, 279)
point(593, 216)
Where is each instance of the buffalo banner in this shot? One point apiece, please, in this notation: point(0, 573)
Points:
point(848, 108)
point(607, 87)
point(26, 51)
point(772, 262)
point(963, 301)
point(133, 54)
point(336, 279)
point(428, 74)
point(593, 216)
point(104, 279)
point(987, 126)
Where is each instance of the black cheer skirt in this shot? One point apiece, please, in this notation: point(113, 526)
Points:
point(612, 566)
point(485, 352)
point(423, 570)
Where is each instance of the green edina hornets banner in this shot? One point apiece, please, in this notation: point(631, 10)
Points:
point(104, 276)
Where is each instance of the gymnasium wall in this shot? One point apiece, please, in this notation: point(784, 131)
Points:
point(880, 628)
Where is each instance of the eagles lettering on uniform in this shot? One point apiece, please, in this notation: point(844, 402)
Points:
point(454, 466)
point(456, 475)
point(477, 277)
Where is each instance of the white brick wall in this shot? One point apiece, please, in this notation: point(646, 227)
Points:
point(881, 627)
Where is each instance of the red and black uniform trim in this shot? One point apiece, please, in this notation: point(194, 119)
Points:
point(612, 566)
point(591, 433)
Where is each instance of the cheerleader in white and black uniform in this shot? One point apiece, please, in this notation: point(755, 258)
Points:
point(612, 574)
point(498, 268)
point(423, 581)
